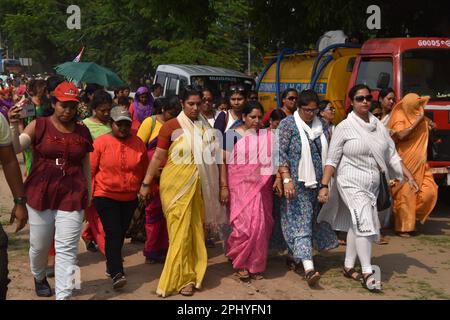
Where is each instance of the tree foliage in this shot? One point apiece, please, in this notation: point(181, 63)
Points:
point(133, 37)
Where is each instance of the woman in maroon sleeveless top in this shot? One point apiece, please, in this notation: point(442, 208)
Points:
point(57, 189)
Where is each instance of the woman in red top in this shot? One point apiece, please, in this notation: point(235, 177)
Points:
point(118, 166)
point(57, 188)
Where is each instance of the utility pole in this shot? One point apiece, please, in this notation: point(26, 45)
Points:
point(249, 57)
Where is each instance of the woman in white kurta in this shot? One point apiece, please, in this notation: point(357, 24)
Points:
point(359, 147)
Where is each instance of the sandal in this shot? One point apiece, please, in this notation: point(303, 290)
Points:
point(257, 276)
point(243, 275)
point(352, 274)
point(404, 234)
point(370, 283)
point(188, 291)
point(293, 266)
point(150, 261)
point(312, 277)
point(382, 241)
point(290, 263)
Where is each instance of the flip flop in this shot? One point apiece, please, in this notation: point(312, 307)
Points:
point(188, 291)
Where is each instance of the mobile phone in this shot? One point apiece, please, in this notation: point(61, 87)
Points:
point(28, 110)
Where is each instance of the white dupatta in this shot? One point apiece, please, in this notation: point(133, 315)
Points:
point(377, 136)
point(306, 172)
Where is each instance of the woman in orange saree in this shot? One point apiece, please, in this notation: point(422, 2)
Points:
point(410, 132)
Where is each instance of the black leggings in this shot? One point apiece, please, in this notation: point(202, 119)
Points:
point(3, 264)
point(116, 217)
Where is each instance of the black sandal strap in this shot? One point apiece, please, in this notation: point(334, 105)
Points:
point(310, 274)
point(364, 282)
point(350, 272)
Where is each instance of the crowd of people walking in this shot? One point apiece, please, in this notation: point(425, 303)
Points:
point(183, 173)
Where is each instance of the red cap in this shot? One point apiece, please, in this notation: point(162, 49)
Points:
point(66, 91)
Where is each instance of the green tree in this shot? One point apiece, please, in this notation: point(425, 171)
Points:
point(133, 37)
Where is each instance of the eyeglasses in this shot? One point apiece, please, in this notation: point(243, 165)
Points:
point(368, 98)
point(237, 89)
point(292, 98)
point(332, 109)
point(312, 111)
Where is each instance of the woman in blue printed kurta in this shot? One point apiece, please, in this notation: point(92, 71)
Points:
point(298, 215)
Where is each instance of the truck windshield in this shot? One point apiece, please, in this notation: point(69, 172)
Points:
point(220, 84)
point(427, 72)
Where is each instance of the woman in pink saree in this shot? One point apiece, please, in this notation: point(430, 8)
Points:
point(250, 174)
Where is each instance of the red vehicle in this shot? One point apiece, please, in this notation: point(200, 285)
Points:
point(419, 65)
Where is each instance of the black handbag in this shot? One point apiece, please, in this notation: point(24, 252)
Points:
point(384, 196)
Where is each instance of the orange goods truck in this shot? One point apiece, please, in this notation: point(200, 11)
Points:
point(419, 65)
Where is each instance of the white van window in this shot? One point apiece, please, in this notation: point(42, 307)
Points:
point(160, 78)
point(172, 84)
point(183, 82)
point(220, 84)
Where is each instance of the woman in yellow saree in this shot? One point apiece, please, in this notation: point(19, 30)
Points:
point(410, 133)
point(188, 188)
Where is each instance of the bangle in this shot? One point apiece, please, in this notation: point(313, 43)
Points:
point(224, 187)
point(145, 185)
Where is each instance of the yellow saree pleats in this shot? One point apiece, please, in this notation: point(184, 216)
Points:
point(182, 203)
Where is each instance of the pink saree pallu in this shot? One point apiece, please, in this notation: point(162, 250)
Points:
point(250, 180)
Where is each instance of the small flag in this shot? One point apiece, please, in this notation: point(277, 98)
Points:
point(78, 57)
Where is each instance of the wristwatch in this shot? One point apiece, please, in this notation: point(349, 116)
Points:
point(287, 180)
point(20, 200)
point(146, 185)
point(321, 186)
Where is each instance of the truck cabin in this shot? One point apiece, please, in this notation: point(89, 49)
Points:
point(419, 65)
point(407, 65)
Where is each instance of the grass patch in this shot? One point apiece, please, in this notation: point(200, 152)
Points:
point(18, 246)
point(5, 209)
point(440, 241)
point(424, 291)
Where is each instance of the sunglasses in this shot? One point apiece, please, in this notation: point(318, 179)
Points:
point(311, 111)
point(368, 98)
point(237, 89)
point(292, 98)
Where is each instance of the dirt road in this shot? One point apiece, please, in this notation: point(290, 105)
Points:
point(414, 268)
